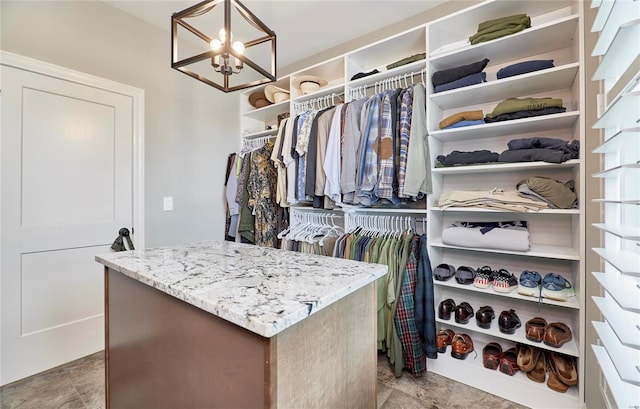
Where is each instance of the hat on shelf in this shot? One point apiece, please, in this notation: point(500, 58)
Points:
point(276, 94)
point(309, 83)
point(258, 99)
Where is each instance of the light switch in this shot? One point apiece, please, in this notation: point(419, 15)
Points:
point(167, 203)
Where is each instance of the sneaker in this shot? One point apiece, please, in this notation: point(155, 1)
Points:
point(556, 287)
point(484, 277)
point(529, 283)
point(504, 281)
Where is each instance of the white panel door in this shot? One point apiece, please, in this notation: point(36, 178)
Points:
point(67, 184)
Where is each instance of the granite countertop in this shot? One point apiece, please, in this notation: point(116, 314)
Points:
point(263, 290)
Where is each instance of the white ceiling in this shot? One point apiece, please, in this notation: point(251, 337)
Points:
point(303, 27)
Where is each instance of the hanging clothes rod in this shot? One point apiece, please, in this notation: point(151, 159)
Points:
point(397, 81)
point(318, 103)
point(249, 145)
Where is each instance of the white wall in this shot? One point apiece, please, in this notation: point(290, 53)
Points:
point(190, 127)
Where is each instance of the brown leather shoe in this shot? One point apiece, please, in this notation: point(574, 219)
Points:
point(491, 355)
point(534, 329)
point(445, 309)
point(539, 372)
point(484, 316)
point(509, 362)
point(444, 338)
point(557, 334)
point(527, 357)
point(508, 322)
point(461, 346)
point(564, 368)
point(553, 382)
point(464, 312)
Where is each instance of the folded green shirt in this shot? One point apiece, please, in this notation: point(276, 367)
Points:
point(525, 104)
point(500, 29)
point(489, 23)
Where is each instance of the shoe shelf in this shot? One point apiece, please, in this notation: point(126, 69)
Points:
point(505, 167)
point(537, 250)
point(624, 394)
point(626, 262)
point(570, 348)
point(618, 141)
point(624, 290)
point(483, 210)
point(624, 358)
point(517, 388)
point(539, 39)
point(620, 230)
point(572, 302)
point(536, 82)
point(505, 128)
point(619, 320)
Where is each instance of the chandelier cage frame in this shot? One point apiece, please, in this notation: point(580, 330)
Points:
point(203, 7)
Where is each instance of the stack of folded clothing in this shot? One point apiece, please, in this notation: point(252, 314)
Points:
point(500, 27)
point(512, 235)
point(460, 119)
point(523, 68)
point(407, 60)
point(467, 158)
point(540, 149)
point(497, 199)
point(556, 194)
point(458, 77)
point(516, 108)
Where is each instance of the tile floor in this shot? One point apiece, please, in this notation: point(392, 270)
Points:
point(80, 385)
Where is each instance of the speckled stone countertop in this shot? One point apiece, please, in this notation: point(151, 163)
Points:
point(263, 290)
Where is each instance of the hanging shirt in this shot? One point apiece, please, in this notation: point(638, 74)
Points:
point(368, 167)
point(332, 159)
point(384, 150)
point(288, 160)
point(405, 129)
point(418, 174)
point(349, 148)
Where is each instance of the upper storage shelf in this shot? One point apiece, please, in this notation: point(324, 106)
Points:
point(331, 71)
point(553, 26)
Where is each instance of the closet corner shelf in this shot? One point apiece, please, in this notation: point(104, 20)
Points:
point(472, 372)
point(619, 320)
point(616, 171)
point(414, 67)
point(570, 348)
point(622, 231)
point(624, 290)
point(618, 140)
point(254, 135)
point(623, 357)
point(482, 210)
point(539, 40)
point(537, 250)
point(504, 128)
point(572, 302)
point(504, 167)
point(626, 262)
point(270, 112)
point(624, 393)
point(536, 82)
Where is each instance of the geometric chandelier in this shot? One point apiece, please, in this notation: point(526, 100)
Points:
point(205, 47)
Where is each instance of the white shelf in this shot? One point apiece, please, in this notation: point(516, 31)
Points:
point(622, 113)
point(616, 171)
point(537, 250)
point(338, 89)
point(552, 36)
point(572, 302)
point(618, 140)
point(623, 289)
point(620, 321)
point(414, 67)
point(542, 123)
point(472, 372)
point(482, 210)
point(625, 262)
point(254, 135)
point(504, 167)
point(517, 86)
point(622, 13)
point(624, 359)
point(269, 112)
point(394, 210)
point(622, 231)
point(627, 201)
point(625, 394)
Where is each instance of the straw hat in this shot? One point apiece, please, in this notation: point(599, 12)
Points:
point(258, 99)
point(309, 83)
point(276, 94)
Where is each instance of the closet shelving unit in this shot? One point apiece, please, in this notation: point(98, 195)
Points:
point(618, 348)
point(557, 236)
point(259, 122)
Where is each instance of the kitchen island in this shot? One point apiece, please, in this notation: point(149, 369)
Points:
point(227, 325)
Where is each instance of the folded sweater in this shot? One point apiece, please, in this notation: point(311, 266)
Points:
point(455, 73)
point(524, 104)
point(461, 116)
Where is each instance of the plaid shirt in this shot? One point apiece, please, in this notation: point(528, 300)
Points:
point(404, 318)
point(368, 169)
point(384, 150)
point(405, 129)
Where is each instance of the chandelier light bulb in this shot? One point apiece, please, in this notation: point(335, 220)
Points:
point(215, 44)
point(238, 47)
point(223, 35)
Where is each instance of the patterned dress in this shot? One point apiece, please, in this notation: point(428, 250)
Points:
point(262, 185)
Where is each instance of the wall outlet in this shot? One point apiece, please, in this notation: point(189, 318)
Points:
point(167, 203)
